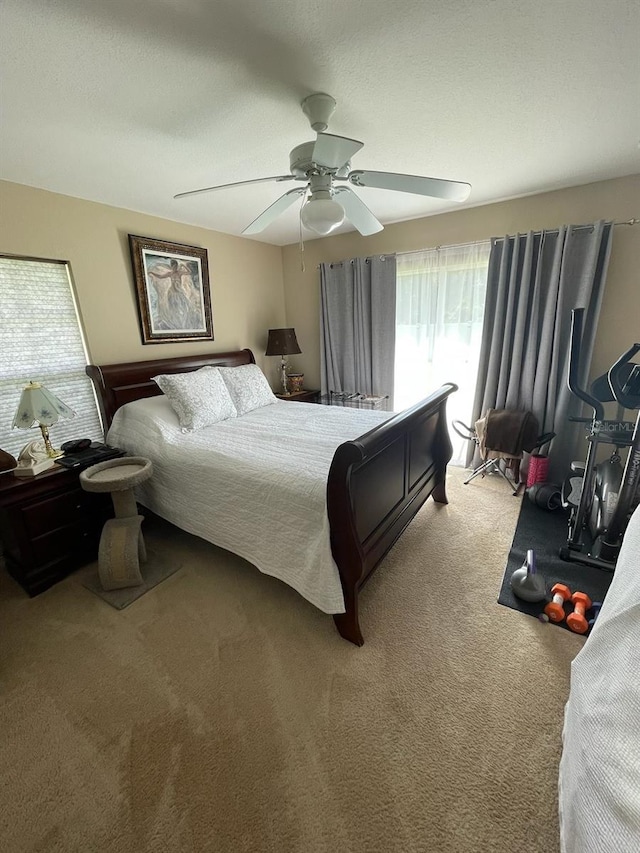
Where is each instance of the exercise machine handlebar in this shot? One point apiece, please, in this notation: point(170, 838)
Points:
point(577, 315)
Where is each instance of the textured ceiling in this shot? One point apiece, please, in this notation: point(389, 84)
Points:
point(128, 102)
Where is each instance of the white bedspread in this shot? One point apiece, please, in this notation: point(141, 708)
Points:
point(600, 767)
point(255, 485)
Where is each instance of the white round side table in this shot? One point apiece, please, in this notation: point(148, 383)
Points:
point(121, 544)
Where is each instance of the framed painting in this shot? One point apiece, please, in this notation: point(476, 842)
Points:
point(172, 287)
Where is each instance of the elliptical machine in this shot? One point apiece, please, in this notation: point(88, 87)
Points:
point(601, 497)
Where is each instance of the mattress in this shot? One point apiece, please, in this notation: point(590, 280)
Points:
point(599, 784)
point(255, 485)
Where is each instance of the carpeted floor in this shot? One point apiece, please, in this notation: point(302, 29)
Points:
point(221, 712)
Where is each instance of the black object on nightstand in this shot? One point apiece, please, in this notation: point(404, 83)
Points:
point(49, 526)
point(301, 396)
point(90, 455)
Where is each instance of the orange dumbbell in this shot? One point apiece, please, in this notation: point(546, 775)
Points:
point(554, 609)
point(577, 620)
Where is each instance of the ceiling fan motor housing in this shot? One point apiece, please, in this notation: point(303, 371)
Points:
point(301, 162)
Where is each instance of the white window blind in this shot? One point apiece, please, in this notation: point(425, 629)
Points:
point(41, 340)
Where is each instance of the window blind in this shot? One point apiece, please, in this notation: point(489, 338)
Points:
point(41, 340)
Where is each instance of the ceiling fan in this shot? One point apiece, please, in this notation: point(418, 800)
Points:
point(321, 165)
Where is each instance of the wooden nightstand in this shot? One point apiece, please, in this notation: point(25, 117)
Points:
point(301, 396)
point(49, 526)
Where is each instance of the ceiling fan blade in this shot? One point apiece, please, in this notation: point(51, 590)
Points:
point(273, 211)
point(434, 187)
point(237, 184)
point(334, 151)
point(357, 211)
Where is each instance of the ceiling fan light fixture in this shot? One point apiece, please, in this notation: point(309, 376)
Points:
point(322, 215)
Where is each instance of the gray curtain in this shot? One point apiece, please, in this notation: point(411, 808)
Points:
point(358, 326)
point(534, 280)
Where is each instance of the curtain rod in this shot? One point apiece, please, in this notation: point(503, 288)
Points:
point(382, 257)
point(446, 245)
point(547, 231)
point(633, 221)
point(386, 255)
point(574, 228)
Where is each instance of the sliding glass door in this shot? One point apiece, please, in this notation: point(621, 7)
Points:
point(439, 314)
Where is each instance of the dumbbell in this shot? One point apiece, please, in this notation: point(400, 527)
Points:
point(595, 612)
point(554, 609)
point(576, 620)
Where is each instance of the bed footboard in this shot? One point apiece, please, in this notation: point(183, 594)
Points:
point(377, 483)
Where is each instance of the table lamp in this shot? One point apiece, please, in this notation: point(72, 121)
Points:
point(282, 342)
point(39, 406)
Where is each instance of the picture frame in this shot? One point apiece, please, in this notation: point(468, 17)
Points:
point(172, 289)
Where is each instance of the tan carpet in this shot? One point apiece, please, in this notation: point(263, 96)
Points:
point(221, 712)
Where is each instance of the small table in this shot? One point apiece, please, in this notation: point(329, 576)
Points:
point(300, 396)
point(355, 401)
point(121, 547)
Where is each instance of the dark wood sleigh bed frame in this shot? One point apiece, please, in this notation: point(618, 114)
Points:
point(376, 484)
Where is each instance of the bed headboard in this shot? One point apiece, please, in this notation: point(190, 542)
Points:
point(117, 384)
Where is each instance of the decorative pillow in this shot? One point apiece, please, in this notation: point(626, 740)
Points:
point(199, 398)
point(248, 387)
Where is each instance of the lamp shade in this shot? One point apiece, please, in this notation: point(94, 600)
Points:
point(282, 342)
point(322, 215)
point(39, 406)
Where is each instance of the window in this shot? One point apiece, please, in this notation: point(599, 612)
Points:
point(440, 296)
point(41, 340)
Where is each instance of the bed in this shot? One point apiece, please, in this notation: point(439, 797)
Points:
point(599, 784)
point(376, 481)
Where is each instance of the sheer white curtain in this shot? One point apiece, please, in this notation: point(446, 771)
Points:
point(440, 298)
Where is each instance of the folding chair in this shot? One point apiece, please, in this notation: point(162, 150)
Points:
point(502, 436)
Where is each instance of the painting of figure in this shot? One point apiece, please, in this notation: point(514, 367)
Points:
point(172, 283)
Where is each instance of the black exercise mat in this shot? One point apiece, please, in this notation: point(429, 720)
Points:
point(545, 532)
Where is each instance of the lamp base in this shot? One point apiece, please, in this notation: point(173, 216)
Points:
point(51, 452)
point(283, 376)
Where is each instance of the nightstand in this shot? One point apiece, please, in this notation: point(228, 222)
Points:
point(49, 526)
point(355, 401)
point(301, 396)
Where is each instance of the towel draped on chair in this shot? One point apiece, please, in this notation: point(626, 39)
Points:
point(506, 433)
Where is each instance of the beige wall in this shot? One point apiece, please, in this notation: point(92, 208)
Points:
point(611, 200)
point(246, 276)
point(252, 282)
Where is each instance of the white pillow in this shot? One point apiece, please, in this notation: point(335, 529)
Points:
point(148, 410)
point(199, 398)
point(151, 417)
point(248, 387)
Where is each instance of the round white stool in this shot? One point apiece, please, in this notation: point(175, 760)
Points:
point(121, 544)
